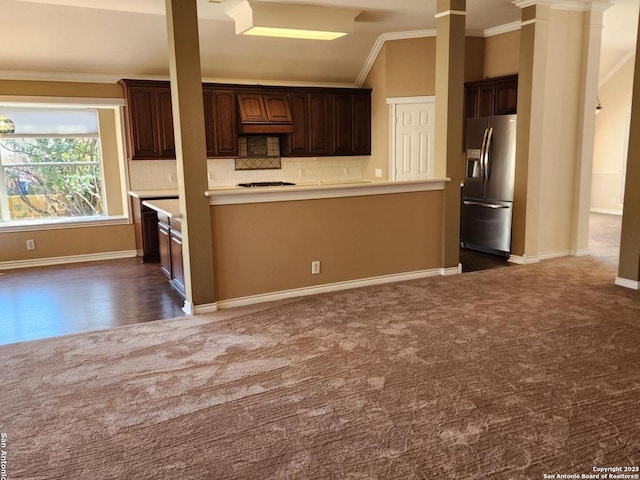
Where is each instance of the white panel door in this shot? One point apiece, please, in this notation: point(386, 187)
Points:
point(414, 141)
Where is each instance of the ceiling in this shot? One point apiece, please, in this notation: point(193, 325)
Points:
point(127, 38)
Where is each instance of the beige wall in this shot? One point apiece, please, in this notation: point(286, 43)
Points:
point(377, 80)
point(610, 141)
point(410, 67)
point(353, 238)
point(406, 68)
point(502, 54)
point(60, 89)
point(474, 58)
point(403, 68)
point(66, 242)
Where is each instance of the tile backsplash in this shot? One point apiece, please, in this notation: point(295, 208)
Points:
point(152, 175)
point(161, 174)
point(297, 170)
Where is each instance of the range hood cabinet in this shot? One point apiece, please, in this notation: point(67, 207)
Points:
point(264, 113)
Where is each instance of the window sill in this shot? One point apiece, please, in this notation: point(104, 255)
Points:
point(56, 224)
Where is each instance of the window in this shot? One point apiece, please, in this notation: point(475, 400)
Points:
point(51, 167)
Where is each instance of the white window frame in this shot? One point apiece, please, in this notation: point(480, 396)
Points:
point(72, 222)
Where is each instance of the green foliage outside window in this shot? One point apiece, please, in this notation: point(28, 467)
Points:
point(52, 177)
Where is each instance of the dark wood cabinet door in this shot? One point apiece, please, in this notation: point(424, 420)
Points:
point(277, 108)
point(209, 122)
point(320, 132)
point(252, 107)
point(362, 124)
point(225, 123)
point(472, 102)
point(143, 123)
point(167, 146)
point(494, 96)
point(149, 231)
point(297, 143)
point(506, 97)
point(165, 248)
point(485, 105)
point(177, 269)
point(343, 124)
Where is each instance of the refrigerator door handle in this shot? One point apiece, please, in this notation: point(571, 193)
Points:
point(486, 154)
point(485, 205)
point(483, 150)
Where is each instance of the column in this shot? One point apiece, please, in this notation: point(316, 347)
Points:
point(586, 134)
point(450, 62)
point(189, 130)
point(534, 42)
point(629, 267)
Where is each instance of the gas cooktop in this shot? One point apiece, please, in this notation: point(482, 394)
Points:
point(265, 184)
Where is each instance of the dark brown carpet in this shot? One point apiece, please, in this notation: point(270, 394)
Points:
point(503, 374)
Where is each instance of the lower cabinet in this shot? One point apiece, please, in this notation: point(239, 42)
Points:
point(177, 270)
point(145, 223)
point(171, 262)
point(165, 248)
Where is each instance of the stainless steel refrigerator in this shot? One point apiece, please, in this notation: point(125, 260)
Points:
point(487, 194)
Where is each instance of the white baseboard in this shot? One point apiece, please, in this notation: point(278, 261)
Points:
point(44, 262)
point(583, 252)
point(330, 287)
point(190, 309)
point(523, 260)
point(626, 283)
point(550, 255)
point(607, 211)
point(445, 272)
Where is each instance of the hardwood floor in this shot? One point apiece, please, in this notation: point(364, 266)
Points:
point(472, 260)
point(50, 301)
point(604, 244)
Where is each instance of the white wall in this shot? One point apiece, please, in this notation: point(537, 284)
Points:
point(611, 140)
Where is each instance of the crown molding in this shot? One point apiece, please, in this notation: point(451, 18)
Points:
point(385, 37)
point(377, 47)
point(447, 13)
point(569, 5)
point(67, 77)
point(623, 61)
point(500, 29)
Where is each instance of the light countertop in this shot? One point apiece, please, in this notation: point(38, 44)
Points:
point(168, 207)
point(238, 195)
point(154, 193)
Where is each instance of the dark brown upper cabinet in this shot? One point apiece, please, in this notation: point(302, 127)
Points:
point(149, 120)
point(361, 124)
point(264, 113)
point(312, 134)
point(310, 121)
point(352, 124)
point(221, 123)
point(494, 96)
point(329, 122)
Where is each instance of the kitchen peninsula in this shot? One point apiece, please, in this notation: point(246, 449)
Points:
point(264, 239)
point(169, 228)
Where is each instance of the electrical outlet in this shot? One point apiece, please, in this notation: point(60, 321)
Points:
point(173, 178)
point(212, 176)
point(31, 244)
point(378, 173)
point(315, 267)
